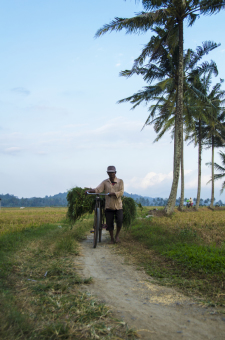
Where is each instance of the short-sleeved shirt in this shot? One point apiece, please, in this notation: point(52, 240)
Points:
point(112, 203)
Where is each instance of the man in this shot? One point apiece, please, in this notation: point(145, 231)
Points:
point(113, 203)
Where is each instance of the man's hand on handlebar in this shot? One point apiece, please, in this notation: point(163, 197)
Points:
point(90, 191)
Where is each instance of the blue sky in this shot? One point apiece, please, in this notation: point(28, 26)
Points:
point(60, 122)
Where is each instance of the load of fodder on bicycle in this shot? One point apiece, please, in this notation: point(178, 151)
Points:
point(80, 204)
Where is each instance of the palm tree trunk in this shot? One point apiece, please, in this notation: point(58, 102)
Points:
point(173, 193)
point(212, 196)
point(199, 165)
point(181, 206)
point(175, 141)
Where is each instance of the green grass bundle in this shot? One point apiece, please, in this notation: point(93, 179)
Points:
point(79, 203)
point(129, 211)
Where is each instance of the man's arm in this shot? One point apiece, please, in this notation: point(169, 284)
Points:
point(98, 190)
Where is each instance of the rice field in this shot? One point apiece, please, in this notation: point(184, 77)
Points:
point(209, 225)
point(156, 234)
point(16, 219)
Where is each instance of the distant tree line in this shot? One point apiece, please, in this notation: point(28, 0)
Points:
point(161, 202)
point(60, 200)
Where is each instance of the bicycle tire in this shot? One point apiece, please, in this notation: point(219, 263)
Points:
point(96, 227)
point(100, 228)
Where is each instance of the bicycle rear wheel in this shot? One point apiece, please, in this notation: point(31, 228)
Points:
point(96, 227)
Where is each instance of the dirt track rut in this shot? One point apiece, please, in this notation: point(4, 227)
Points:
point(156, 312)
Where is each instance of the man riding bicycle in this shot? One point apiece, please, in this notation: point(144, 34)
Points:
point(114, 187)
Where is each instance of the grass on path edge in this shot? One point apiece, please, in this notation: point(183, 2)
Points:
point(177, 257)
point(40, 291)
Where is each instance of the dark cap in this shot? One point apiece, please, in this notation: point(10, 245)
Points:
point(111, 168)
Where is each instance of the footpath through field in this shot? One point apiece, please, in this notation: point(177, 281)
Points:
point(156, 312)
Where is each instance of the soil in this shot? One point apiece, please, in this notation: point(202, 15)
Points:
point(156, 312)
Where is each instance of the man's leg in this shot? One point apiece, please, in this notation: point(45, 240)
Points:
point(111, 235)
point(119, 222)
point(110, 223)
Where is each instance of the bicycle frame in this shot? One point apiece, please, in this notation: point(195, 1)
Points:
point(98, 218)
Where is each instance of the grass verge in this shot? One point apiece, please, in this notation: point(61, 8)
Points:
point(40, 295)
point(178, 256)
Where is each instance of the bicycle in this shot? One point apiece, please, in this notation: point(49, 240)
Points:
point(98, 218)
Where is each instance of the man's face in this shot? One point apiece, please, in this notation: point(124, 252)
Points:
point(112, 176)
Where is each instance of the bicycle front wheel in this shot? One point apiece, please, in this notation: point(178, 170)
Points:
point(96, 227)
point(100, 227)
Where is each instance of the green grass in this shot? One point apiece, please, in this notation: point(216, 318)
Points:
point(40, 295)
point(177, 257)
point(183, 246)
point(207, 259)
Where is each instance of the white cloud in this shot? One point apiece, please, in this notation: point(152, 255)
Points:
point(13, 149)
point(118, 64)
point(151, 179)
point(114, 134)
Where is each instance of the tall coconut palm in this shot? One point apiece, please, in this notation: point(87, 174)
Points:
point(164, 93)
point(194, 134)
point(214, 131)
point(207, 125)
point(168, 14)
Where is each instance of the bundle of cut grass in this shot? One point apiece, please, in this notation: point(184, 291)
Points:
point(80, 204)
point(129, 211)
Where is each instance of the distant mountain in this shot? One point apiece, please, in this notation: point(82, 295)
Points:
point(144, 200)
point(58, 200)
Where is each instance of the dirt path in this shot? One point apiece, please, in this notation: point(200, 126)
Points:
point(156, 312)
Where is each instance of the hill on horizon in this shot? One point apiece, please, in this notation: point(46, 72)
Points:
point(58, 200)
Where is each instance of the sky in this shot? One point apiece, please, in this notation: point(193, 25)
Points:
point(60, 123)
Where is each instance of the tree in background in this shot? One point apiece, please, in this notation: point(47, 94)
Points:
point(214, 131)
point(163, 66)
point(199, 107)
point(170, 15)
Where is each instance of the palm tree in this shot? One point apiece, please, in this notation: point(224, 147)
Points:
point(207, 125)
point(164, 93)
point(168, 14)
point(214, 131)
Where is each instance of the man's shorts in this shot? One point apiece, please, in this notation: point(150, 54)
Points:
point(111, 215)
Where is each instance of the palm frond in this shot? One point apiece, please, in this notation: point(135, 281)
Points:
point(142, 22)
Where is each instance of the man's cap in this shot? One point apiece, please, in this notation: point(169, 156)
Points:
point(111, 168)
